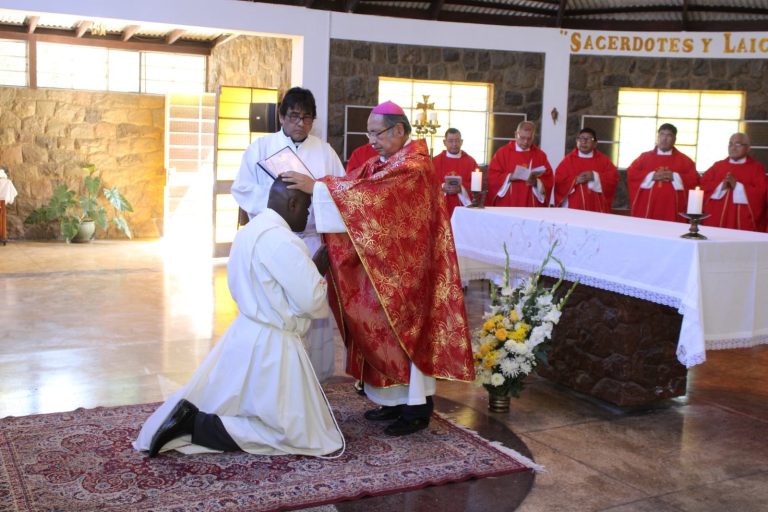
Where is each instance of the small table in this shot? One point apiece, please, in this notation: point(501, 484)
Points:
point(7, 196)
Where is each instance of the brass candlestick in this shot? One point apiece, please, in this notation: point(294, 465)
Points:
point(693, 232)
point(478, 199)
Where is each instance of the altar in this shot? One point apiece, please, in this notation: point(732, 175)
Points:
point(661, 300)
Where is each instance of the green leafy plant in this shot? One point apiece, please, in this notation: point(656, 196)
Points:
point(71, 208)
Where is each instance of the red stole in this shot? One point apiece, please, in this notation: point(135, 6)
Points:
point(661, 201)
point(446, 166)
point(396, 283)
point(519, 193)
point(580, 197)
point(724, 212)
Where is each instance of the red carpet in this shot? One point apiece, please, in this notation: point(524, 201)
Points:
point(83, 460)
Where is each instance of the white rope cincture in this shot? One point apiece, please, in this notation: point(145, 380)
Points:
point(522, 459)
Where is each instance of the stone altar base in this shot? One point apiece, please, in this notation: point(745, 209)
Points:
point(616, 348)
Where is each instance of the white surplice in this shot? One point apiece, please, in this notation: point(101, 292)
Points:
point(258, 378)
point(251, 190)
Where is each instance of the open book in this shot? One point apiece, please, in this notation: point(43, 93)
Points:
point(523, 173)
point(282, 161)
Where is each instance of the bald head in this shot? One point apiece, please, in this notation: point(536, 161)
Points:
point(291, 204)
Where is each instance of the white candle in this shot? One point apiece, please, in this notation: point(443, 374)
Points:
point(695, 200)
point(433, 117)
point(477, 181)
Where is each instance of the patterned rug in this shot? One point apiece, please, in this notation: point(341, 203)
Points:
point(83, 460)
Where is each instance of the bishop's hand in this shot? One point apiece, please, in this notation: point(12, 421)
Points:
point(299, 181)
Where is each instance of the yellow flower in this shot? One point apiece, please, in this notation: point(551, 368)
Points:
point(488, 326)
point(513, 316)
point(486, 347)
point(501, 334)
point(490, 359)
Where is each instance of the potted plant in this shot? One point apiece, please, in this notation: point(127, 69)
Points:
point(79, 213)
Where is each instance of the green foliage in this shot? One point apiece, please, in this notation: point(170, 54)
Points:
point(71, 208)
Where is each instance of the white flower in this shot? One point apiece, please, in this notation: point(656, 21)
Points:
point(506, 291)
point(552, 316)
point(497, 379)
point(544, 300)
point(509, 368)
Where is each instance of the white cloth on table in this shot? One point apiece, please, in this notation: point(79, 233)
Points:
point(251, 191)
point(8, 192)
point(420, 386)
point(258, 378)
point(719, 285)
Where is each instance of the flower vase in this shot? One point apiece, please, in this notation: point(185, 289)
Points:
point(498, 400)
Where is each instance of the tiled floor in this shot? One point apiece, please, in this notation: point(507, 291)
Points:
point(113, 323)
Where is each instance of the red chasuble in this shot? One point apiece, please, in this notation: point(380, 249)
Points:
point(361, 155)
point(724, 212)
point(506, 159)
point(662, 201)
point(446, 166)
point(396, 289)
point(580, 197)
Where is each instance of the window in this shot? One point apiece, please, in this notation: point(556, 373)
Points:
point(13, 62)
point(459, 105)
point(106, 69)
point(704, 121)
point(170, 72)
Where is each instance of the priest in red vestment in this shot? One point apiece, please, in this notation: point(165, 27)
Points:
point(454, 162)
point(399, 303)
point(735, 189)
point(586, 179)
point(519, 173)
point(659, 180)
point(360, 155)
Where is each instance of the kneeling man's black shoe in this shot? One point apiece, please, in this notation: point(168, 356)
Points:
point(385, 413)
point(178, 423)
point(403, 427)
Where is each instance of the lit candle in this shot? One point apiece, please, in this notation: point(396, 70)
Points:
point(433, 117)
point(477, 181)
point(695, 200)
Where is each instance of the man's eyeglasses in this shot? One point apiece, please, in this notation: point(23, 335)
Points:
point(376, 135)
point(736, 144)
point(295, 117)
point(585, 139)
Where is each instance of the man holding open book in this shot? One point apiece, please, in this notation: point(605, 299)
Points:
point(453, 170)
point(292, 148)
point(519, 173)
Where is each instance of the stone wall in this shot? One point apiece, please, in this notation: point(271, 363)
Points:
point(355, 68)
point(594, 84)
point(250, 61)
point(47, 135)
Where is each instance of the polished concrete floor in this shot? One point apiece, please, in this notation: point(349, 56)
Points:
point(112, 323)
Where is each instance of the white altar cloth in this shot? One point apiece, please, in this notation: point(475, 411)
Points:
point(719, 285)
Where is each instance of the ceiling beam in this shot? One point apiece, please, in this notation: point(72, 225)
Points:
point(435, 8)
point(32, 23)
point(129, 31)
point(82, 28)
point(561, 12)
point(174, 35)
point(350, 5)
point(224, 38)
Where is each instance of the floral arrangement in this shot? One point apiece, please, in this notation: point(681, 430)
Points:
point(517, 328)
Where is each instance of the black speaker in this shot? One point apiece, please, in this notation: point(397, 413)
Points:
point(263, 117)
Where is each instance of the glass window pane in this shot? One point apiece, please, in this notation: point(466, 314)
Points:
point(473, 128)
point(637, 103)
point(170, 72)
point(636, 135)
point(722, 105)
point(13, 62)
point(679, 104)
point(469, 97)
point(713, 142)
point(71, 66)
point(123, 71)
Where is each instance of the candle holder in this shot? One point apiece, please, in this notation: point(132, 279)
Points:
point(693, 232)
point(478, 199)
point(423, 125)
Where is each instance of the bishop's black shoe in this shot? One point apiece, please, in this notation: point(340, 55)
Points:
point(403, 427)
point(384, 413)
point(179, 422)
